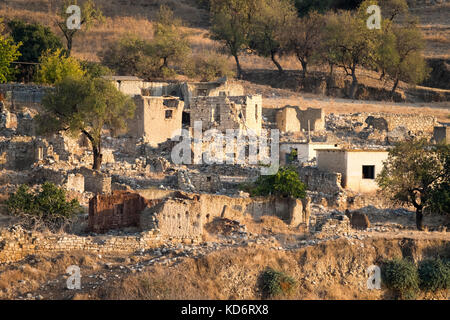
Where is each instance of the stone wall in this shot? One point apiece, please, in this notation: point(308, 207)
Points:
point(316, 180)
point(197, 181)
point(20, 153)
point(411, 122)
point(16, 243)
point(17, 95)
point(178, 216)
point(210, 89)
point(175, 218)
point(75, 182)
point(227, 112)
point(95, 181)
point(294, 119)
point(156, 119)
point(158, 89)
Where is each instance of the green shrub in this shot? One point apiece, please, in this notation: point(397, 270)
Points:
point(401, 276)
point(434, 274)
point(285, 183)
point(276, 283)
point(208, 67)
point(95, 69)
point(48, 206)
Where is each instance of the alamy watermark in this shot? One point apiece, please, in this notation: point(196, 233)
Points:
point(74, 20)
point(374, 21)
point(374, 280)
point(74, 280)
point(234, 147)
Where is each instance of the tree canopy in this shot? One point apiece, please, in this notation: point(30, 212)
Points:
point(401, 54)
point(86, 105)
point(231, 21)
point(285, 183)
point(55, 66)
point(303, 38)
point(36, 39)
point(417, 173)
point(150, 58)
point(268, 24)
point(9, 52)
point(351, 44)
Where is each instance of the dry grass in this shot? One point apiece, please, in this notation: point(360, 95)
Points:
point(436, 27)
point(123, 17)
point(18, 279)
point(332, 270)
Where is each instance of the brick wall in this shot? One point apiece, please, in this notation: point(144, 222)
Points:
point(118, 210)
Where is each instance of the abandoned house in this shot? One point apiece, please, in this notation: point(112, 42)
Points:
point(358, 168)
point(228, 112)
point(301, 151)
point(293, 119)
point(156, 119)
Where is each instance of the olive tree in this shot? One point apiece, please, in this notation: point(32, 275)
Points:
point(417, 173)
point(86, 106)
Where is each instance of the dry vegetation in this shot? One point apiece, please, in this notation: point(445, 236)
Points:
point(31, 274)
point(124, 17)
point(134, 18)
point(333, 270)
point(435, 24)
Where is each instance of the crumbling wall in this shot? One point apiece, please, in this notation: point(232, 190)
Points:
point(75, 182)
point(182, 216)
point(158, 89)
point(287, 120)
point(323, 181)
point(129, 85)
point(294, 119)
point(118, 210)
point(95, 181)
point(19, 151)
point(175, 218)
point(191, 90)
point(226, 112)
point(292, 211)
point(197, 181)
point(16, 243)
point(19, 95)
point(411, 122)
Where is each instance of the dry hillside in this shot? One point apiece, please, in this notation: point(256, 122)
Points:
point(134, 17)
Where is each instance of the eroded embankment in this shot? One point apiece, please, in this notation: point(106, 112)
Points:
point(334, 269)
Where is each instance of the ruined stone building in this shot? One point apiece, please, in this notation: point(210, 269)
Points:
point(305, 151)
point(156, 119)
point(293, 119)
point(441, 134)
point(358, 168)
point(130, 85)
point(222, 87)
point(184, 90)
point(228, 112)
